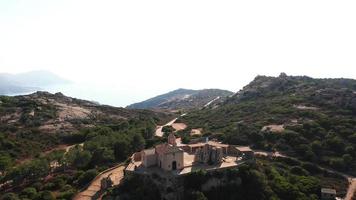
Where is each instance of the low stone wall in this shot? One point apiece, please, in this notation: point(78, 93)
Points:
point(186, 149)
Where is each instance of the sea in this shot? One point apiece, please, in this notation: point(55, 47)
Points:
point(102, 94)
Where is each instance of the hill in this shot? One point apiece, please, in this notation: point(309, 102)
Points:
point(182, 99)
point(27, 82)
point(41, 120)
point(313, 119)
point(53, 145)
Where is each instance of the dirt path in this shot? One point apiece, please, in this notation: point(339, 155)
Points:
point(352, 189)
point(179, 126)
point(116, 175)
point(59, 147)
point(210, 102)
point(62, 147)
point(159, 132)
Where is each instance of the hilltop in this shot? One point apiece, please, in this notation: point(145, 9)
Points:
point(313, 119)
point(182, 99)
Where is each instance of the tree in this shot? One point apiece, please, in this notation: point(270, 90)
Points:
point(316, 147)
point(32, 170)
point(5, 162)
point(195, 180)
point(46, 195)
point(299, 171)
point(337, 163)
point(138, 142)
point(87, 177)
point(29, 192)
point(78, 157)
point(121, 149)
point(347, 159)
point(10, 196)
point(148, 132)
point(167, 130)
point(197, 195)
point(102, 155)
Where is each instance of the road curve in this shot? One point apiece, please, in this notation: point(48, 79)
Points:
point(116, 174)
point(159, 132)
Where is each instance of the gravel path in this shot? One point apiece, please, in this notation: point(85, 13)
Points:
point(159, 132)
point(116, 175)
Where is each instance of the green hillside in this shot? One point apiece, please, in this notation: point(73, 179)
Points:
point(313, 119)
point(39, 158)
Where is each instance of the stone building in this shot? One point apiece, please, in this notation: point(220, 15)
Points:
point(184, 158)
point(166, 156)
point(209, 154)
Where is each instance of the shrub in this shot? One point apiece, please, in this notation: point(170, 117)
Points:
point(87, 177)
point(299, 171)
point(29, 192)
point(10, 196)
point(46, 195)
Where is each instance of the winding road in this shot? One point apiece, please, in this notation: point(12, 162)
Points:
point(159, 132)
point(116, 175)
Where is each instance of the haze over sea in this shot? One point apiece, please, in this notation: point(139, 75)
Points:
point(103, 94)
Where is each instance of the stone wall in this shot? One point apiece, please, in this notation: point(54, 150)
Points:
point(168, 159)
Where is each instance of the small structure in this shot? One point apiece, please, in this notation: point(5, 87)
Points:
point(328, 194)
point(246, 152)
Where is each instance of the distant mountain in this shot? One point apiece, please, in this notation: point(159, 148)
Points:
point(27, 82)
point(183, 99)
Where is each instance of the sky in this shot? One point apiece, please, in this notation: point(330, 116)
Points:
point(151, 47)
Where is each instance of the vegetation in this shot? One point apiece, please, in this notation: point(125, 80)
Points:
point(318, 117)
point(57, 174)
point(267, 179)
point(136, 187)
point(103, 147)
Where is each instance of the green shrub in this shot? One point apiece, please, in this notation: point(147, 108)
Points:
point(29, 192)
point(46, 195)
point(10, 196)
point(87, 177)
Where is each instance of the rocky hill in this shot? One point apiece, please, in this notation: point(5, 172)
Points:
point(314, 119)
point(42, 120)
point(183, 99)
point(51, 145)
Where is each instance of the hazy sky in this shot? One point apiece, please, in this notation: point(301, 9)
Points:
point(153, 46)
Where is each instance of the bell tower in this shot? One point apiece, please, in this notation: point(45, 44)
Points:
point(172, 139)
